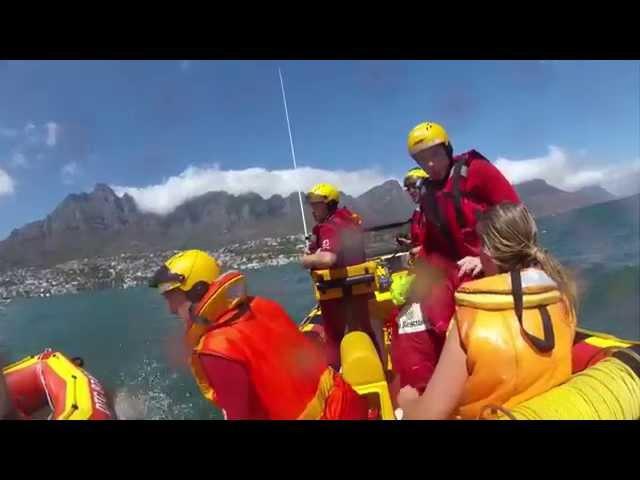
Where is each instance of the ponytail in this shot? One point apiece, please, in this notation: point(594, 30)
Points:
point(510, 237)
point(558, 274)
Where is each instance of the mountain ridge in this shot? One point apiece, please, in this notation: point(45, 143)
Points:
point(103, 223)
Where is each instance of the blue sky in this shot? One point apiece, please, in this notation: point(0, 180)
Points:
point(168, 130)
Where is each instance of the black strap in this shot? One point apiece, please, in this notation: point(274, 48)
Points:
point(627, 356)
point(387, 226)
point(457, 195)
point(432, 213)
point(580, 336)
point(239, 312)
point(548, 342)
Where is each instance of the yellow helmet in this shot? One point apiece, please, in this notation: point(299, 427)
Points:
point(414, 175)
point(323, 192)
point(426, 135)
point(192, 271)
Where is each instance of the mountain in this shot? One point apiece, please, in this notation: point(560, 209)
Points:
point(101, 223)
point(386, 203)
point(608, 233)
point(544, 199)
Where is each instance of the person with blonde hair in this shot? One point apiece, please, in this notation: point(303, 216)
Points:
point(511, 336)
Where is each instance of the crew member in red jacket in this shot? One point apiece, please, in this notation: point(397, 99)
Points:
point(338, 242)
point(247, 356)
point(459, 188)
point(413, 181)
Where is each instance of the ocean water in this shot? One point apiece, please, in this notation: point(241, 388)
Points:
point(130, 342)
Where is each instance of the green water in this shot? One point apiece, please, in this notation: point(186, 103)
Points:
point(131, 343)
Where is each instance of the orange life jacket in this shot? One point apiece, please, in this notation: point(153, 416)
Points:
point(517, 331)
point(289, 373)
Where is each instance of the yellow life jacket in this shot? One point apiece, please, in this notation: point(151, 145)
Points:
point(517, 331)
point(342, 282)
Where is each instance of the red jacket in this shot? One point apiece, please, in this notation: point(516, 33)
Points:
point(417, 228)
point(450, 208)
point(341, 234)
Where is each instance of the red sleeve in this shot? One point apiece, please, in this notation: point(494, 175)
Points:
point(487, 184)
point(417, 229)
point(230, 380)
point(314, 244)
point(328, 238)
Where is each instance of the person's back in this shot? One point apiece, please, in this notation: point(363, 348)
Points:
point(283, 364)
point(513, 353)
point(341, 233)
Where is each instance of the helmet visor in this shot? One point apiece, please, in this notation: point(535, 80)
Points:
point(315, 198)
point(165, 280)
point(410, 183)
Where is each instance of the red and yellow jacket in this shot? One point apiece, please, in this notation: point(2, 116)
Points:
point(289, 373)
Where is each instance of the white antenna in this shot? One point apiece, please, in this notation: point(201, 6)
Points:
point(293, 154)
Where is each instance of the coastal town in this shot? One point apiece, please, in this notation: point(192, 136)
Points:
point(132, 270)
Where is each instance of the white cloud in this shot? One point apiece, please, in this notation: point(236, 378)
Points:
point(6, 183)
point(567, 173)
point(30, 143)
point(69, 172)
point(52, 134)
point(18, 160)
point(194, 181)
point(46, 134)
point(625, 180)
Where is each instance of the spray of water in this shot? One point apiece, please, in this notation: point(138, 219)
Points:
point(155, 392)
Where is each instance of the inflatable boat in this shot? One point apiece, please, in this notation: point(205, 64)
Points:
point(606, 370)
point(51, 383)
